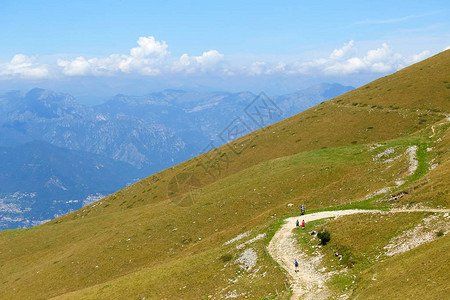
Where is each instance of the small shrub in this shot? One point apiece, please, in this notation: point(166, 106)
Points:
point(226, 257)
point(440, 233)
point(324, 237)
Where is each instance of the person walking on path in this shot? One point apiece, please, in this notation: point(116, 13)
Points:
point(297, 224)
point(303, 224)
point(296, 266)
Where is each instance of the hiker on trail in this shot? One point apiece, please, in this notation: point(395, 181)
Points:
point(297, 224)
point(302, 210)
point(303, 224)
point(296, 266)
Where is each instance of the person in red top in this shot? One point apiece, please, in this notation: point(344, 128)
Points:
point(303, 224)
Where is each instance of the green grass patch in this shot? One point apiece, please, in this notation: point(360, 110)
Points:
point(423, 167)
point(359, 240)
point(307, 242)
point(368, 204)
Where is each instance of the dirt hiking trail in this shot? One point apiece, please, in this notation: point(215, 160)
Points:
point(309, 282)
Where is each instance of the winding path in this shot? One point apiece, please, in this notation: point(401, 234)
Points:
point(309, 282)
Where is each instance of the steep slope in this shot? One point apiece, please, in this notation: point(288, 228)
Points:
point(197, 230)
point(437, 193)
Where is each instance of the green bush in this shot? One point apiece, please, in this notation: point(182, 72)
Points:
point(226, 257)
point(324, 237)
point(440, 233)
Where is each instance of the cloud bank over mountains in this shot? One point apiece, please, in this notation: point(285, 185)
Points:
point(23, 66)
point(153, 58)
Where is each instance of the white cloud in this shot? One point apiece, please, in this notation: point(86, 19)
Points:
point(209, 61)
point(378, 54)
point(380, 67)
point(380, 60)
point(152, 58)
point(108, 65)
point(308, 67)
point(339, 53)
point(351, 65)
point(20, 59)
point(210, 58)
point(149, 58)
point(149, 48)
point(258, 68)
point(279, 68)
point(342, 61)
point(418, 57)
point(77, 67)
point(23, 66)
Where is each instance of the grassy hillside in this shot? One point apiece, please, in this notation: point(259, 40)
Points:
point(166, 236)
point(366, 272)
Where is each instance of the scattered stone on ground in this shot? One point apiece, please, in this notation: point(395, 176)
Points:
point(422, 233)
point(237, 238)
point(248, 259)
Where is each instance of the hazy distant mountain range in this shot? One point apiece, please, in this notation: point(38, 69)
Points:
point(57, 155)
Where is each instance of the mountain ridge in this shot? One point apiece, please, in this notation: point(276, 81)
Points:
point(150, 132)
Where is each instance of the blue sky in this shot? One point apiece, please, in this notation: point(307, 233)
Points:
point(96, 47)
